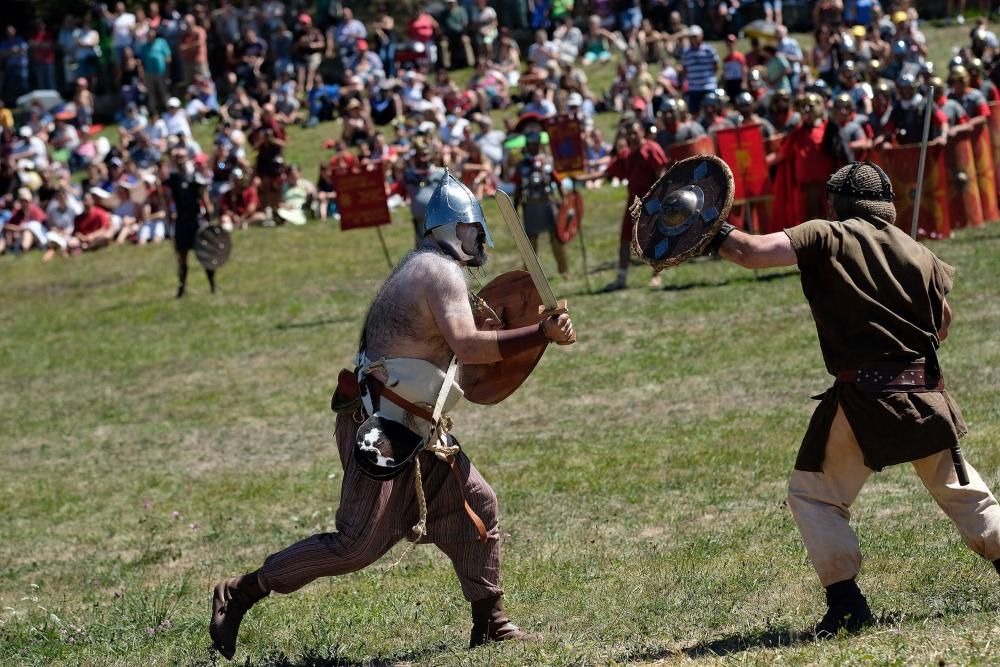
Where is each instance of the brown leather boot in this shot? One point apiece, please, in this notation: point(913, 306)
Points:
point(490, 624)
point(232, 599)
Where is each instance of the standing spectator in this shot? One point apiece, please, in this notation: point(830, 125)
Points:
point(308, 51)
point(122, 23)
point(778, 69)
point(347, 34)
point(455, 26)
point(828, 13)
point(269, 168)
point(67, 47)
point(384, 37)
point(485, 30)
point(43, 57)
point(14, 56)
point(194, 51)
point(789, 47)
point(88, 51)
point(734, 69)
point(700, 61)
point(155, 56)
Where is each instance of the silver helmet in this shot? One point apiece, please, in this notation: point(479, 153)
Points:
point(453, 203)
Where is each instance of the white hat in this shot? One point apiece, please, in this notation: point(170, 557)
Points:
point(25, 131)
point(575, 99)
point(696, 31)
point(173, 103)
point(24, 164)
point(24, 194)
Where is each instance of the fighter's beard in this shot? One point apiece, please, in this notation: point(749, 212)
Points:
point(479, 255)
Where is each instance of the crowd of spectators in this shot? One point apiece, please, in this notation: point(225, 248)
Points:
point(253, 70)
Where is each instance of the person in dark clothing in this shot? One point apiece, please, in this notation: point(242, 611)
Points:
point(189, 191)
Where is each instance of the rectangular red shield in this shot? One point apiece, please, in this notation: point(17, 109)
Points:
point(742, 148)
point(964, 200)
point(566, 142)
point(361, 198)
point(703, 145)
point(982, 150)
point(994, 123)
point(900, 163)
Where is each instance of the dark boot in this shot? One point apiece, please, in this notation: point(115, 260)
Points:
point(848, 610)
point(996, 565)
point(211, 280)
point(230, 601)
point(490, 624)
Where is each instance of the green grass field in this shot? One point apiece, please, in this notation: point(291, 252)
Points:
point(152, 446)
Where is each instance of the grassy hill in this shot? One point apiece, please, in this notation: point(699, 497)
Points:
point(152, 446)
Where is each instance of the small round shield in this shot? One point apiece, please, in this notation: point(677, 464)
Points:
point(570, 216)
point(212, 245)
point(511, 301)
point(682, 212)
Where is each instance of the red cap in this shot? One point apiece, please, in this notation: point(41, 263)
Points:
point(200, 159)
point(363, 44)
point(305, 18)
point(730, 37)
point(638, 103)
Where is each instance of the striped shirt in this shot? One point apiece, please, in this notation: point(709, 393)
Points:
point(700, 64)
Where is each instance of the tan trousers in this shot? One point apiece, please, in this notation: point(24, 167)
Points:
point(821, 504)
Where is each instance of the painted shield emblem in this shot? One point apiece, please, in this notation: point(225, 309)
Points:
point(682, 212)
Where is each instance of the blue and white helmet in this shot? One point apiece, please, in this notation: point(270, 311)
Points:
point(453, 203)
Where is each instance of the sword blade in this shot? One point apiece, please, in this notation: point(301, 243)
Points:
point(528, 255)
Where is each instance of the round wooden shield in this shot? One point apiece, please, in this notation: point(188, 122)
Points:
point(570, 216)
point(212, 245)
point(682, 212)
point(512, 300)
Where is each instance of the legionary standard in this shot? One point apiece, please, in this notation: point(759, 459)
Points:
point(427, 341)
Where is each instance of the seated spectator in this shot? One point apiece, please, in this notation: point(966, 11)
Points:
point(26, 225)
point(154, 210)
point(61, 213)
point(240, 204)
point(296, 199)
point(127, 212)
point(132, 124)
point(322, 99)
point(92, 227)
point(326, 195)
point(358, 125)
point(597, 42)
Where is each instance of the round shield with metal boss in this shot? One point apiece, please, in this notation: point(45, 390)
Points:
point(212, 245)
point(682, 212)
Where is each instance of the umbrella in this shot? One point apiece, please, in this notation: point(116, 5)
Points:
point(47, 98)
point(761, 29)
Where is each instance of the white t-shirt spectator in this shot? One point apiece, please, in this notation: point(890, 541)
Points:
point(538, 54)
point(157, 132)
point(122, 28)
point(62, 219)
point(177, 123)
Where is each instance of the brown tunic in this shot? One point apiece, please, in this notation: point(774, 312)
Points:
point(877, 297)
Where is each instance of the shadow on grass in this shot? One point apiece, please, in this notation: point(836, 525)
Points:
point(771, 638)
point(748, 278)
point(284, 326)
point(317, 658)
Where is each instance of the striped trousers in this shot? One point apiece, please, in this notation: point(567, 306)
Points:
point(373, 516)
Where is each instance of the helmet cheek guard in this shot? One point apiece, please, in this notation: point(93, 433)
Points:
point(451, 204)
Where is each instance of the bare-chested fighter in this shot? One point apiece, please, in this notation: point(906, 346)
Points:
point(419, 328)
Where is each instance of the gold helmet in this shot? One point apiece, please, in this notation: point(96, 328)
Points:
point(843, 101)
point(809, 103)
point(958, 73)
point(975, 67)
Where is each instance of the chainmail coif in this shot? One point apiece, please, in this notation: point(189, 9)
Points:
point(862, 190)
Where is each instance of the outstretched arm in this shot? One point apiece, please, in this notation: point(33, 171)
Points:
point(754, 252)
point(945, 321)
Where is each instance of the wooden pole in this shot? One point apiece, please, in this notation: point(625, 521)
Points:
point(923, 159)
point(385, 248)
